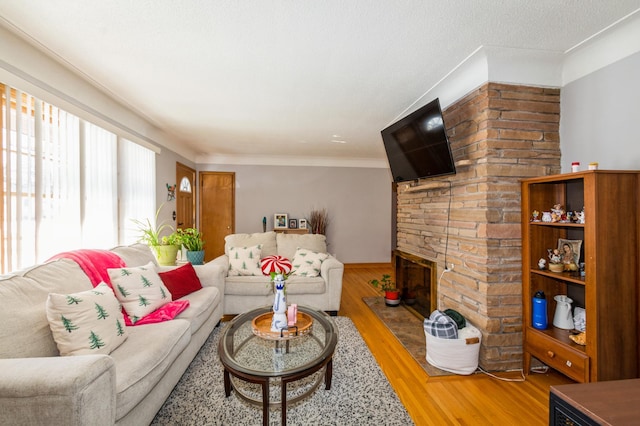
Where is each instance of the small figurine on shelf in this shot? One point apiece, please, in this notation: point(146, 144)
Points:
point(535, 216)
point(556, 213)
point(569, 217)
point(542, 263)
point(555, 260)
point(546, 217)
point(580, 216)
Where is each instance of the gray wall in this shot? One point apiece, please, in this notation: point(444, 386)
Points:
point(166, 174)
point(599, 118)
point(358, 201)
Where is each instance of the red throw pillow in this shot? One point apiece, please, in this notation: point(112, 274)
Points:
point(181, 281)
point(276, 264)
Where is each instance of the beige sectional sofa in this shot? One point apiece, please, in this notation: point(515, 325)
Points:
point(243, 293)
point(126, 387)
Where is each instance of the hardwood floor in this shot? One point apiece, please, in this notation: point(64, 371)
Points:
point(450, 400)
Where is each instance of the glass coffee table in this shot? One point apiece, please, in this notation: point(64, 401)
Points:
point(250, 352)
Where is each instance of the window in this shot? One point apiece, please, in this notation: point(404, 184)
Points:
point(185, 185)
point(60, 182)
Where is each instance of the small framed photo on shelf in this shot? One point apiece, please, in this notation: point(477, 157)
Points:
point(569, 250)
point(293, 223)
point(280, 221)
point(302, 224)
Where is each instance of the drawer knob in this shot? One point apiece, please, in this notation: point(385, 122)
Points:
point(550, 354)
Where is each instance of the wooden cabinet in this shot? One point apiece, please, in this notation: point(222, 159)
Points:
point(608, 291)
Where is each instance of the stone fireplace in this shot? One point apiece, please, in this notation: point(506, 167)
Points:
point(415, 277)
point(499, 135)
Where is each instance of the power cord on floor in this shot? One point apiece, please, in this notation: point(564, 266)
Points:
point(504, 379)
point(539, 370)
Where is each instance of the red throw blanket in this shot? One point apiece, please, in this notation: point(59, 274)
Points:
point(95, 263)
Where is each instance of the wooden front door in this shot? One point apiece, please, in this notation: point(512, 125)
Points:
point(217, 210)
point(185, 197)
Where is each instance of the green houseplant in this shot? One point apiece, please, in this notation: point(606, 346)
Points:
point(192, 241)
point(164, 248)
point(391, 293)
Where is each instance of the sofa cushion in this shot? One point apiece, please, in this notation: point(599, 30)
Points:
point(26, 293)
point(289, 243)
point(266, 239)
point(201, 304)
point(253, 286)
point(87, 322)
point(135, 254)
point(307, 263)
point(181, 281)
point(306, 285)
point(139, 289)
point(144, 358)
point(245, 260)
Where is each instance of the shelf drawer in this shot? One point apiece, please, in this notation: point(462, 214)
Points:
point(556, 355)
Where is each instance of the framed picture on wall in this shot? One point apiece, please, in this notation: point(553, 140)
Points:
point(302, 224)
point(293, 223)
point(280, 221)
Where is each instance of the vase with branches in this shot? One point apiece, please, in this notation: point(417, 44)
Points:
point(318, 221)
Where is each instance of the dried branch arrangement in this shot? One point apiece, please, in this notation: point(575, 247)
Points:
point(318, 221)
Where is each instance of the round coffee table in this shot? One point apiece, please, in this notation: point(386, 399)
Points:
point(256, 358)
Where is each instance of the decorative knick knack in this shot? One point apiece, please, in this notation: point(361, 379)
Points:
point(279, 321)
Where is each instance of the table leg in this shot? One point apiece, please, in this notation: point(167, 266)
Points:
point(227, 383)
point(265, 403)
point(328, 374)
point(283, 401)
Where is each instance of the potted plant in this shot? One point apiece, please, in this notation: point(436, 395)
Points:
point(164, 248)
point(391, 293)
point(191, 240)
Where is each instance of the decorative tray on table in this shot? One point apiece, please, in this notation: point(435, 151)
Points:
point(261, 326)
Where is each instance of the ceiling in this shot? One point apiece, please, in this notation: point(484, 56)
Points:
point(289, 78)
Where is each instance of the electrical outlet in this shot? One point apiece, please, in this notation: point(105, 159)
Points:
point(451, 266)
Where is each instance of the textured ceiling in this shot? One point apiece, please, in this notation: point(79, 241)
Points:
point(278, 77)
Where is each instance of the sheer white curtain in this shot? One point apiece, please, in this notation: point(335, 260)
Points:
point(61, 184)
point(137, 187)
point(100, 187)
point(57, 176)
point(40, 180)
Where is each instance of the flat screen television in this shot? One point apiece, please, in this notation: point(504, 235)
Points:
point(417, 145)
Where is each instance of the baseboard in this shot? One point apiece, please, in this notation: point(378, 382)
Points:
point(366, 265)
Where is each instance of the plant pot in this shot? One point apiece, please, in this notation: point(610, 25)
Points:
point(392, 298)
point(165, 255)
point(195, 257)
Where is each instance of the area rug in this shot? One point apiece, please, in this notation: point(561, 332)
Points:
point(408, 330)
point(360, 393)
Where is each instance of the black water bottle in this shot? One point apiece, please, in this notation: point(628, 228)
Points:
point(539, 311)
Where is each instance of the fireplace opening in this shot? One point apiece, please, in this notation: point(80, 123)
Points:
point(416, 279)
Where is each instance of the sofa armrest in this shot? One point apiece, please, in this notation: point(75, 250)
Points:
point(212, 274)
point(73, 390)
point(332, 271)
point(221, 261)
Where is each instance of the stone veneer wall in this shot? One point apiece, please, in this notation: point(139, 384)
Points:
point(499, 134)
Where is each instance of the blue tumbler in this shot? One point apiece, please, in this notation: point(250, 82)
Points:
point(539, 317)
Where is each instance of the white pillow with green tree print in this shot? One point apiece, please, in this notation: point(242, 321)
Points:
point(245, 260)
point(306, 263)
point(89, 322)
point(139, 289)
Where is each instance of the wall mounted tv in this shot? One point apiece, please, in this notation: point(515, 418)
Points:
point(417, 145)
